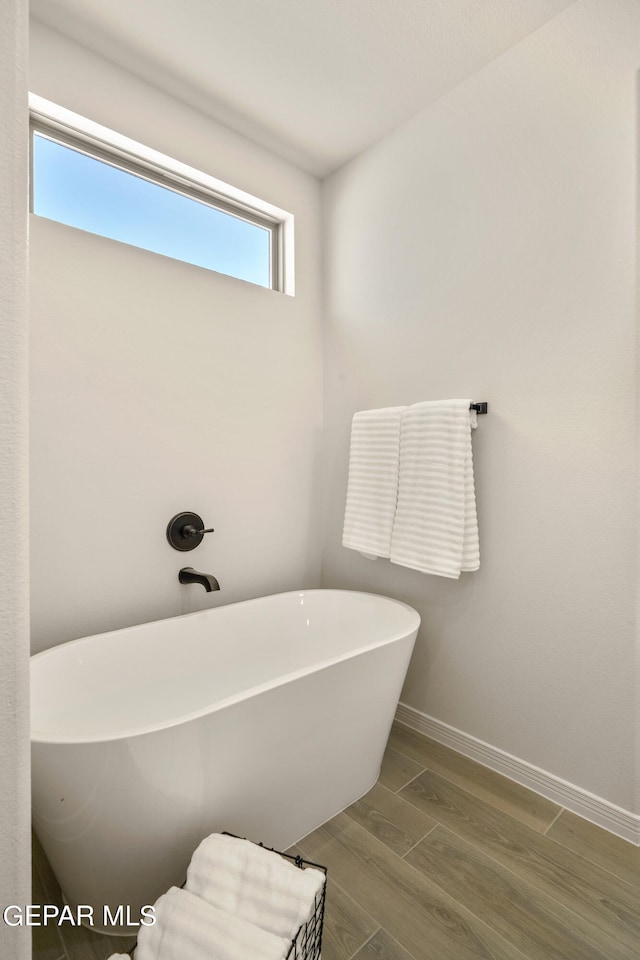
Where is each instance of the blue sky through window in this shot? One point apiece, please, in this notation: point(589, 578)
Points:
point(83, 192)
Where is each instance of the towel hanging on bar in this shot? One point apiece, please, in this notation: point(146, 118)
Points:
point(372, 486)
point(378, 508)
point(435, 528)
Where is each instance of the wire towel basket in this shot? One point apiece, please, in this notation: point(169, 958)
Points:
point(307, 942)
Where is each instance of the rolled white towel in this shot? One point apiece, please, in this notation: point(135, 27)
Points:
point(119, 956)
point(187, 927)
point(254, 883)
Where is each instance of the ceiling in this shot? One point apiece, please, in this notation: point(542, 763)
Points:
point(315, 81)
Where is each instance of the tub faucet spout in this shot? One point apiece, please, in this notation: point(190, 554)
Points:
point(189, 575)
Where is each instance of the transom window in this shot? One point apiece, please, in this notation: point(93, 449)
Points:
point(97, 186)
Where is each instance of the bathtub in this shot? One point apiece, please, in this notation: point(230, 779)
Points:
point(264, 718)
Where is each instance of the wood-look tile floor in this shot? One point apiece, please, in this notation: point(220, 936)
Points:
point(445, 860)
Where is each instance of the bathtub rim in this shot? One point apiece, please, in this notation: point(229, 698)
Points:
point(40, 737)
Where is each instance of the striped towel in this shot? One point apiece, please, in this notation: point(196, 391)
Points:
point(187, 928)
point(372, 487)
point(436, 528)
point(254, 883)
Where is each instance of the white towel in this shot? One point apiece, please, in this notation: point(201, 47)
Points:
point(254, 883)
point(436, 528)
point(372, 487)
point(187, 928)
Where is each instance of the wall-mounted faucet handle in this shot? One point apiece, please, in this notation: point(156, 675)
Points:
point(190, 531)
point(186, 530)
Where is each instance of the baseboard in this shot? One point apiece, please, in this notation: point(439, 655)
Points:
point(599, 811)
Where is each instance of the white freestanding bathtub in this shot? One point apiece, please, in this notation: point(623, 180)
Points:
point(264, 718)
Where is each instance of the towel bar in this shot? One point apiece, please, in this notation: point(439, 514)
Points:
point(479, 407)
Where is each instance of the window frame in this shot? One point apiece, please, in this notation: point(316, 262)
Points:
point(99, 143)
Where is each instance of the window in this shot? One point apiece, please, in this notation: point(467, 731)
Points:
point(147, 200)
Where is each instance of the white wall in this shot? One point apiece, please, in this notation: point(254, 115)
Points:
point(157, 387)
point(15, 874)
point(487, 249)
